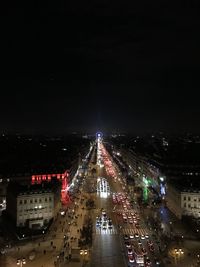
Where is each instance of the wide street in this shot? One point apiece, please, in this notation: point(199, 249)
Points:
point(122, 235)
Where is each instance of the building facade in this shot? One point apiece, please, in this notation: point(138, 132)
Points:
point(183, 201)
point(190, 203)
point(32, 206)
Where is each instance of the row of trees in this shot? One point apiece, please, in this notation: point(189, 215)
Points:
point(86, 233)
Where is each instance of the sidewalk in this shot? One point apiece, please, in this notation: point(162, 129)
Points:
point(48, 248)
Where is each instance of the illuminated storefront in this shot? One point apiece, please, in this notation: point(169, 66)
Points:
point(39, 178)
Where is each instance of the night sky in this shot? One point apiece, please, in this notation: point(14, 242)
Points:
point(130, 66)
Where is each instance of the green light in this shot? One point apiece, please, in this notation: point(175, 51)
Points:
point(145, 194)
point(145, 181)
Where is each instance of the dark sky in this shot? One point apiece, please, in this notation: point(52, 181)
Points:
point(100, 65)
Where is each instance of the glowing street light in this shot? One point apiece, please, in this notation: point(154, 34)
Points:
point(21, 262)
point(83, 253)
point(178, 252)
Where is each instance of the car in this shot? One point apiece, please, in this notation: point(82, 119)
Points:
point(131, 258)
point(131, 221)
point(98, 223)
point(105, 218)
point(127, 244)
point(139, 242)
point(142, 237)
point(130, 251)
point(146, 236)
point(147, 262)
point(136, 235)
point(131, 236)
point(103, 212)
point(104, 225)
point(110, 225)
point(126, 237)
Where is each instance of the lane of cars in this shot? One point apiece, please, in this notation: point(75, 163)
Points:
point(139, 248)
point(103, 222)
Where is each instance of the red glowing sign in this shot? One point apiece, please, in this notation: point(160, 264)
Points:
point(37, 179)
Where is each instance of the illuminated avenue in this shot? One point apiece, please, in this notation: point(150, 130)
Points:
point(94, 216)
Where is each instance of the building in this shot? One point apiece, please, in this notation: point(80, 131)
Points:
point(190, 203)
point(27, 158)
point(33, 206)
point(183, 197)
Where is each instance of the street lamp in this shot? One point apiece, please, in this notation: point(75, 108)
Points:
point(178, 252)
point(21, 262)
point(83, 253)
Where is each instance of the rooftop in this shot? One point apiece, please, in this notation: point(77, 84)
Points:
point(45, 187)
